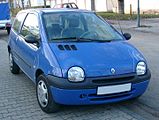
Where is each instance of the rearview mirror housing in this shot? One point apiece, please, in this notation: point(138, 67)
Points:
point(30, 39)
point(127, 36)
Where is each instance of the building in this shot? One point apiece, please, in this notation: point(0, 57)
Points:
point(146, 6)
point(95, 5)
point(117, 6)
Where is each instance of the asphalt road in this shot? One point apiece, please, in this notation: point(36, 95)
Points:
point(18, 99)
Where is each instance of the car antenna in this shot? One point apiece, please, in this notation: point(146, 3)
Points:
point(117, 19)
point(120, 26)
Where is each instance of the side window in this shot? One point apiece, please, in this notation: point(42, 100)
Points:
point(18, 20)
point(30, 26)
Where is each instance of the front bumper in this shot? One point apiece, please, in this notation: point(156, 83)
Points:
point(89, 96)
point(85, 93)
point(2, 27)
point(5, 26)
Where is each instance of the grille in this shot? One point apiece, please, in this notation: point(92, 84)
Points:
point(114, 80)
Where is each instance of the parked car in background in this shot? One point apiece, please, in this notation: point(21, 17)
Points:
point(66, 5)
point(5, 22)
point(75, 58)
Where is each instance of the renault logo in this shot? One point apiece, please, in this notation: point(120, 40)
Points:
point(112, 70)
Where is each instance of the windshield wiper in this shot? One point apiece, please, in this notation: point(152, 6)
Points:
point(96, 40)
point(75, 39)
point(78, 39)
point(64, 38)
point(93, 40)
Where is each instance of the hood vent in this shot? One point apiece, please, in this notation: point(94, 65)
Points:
point(67, 47)
point(73, 47)
point(61, 47)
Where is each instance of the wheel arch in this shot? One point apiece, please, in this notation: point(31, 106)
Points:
point(9, 49)
point(37, 73)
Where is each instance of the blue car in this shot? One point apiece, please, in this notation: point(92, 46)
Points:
point(74, 57)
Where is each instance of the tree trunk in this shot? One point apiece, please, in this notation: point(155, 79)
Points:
point(29, 2)
point(22, 2)
point(44, 3)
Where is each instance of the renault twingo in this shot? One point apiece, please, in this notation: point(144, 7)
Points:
point(75, 58)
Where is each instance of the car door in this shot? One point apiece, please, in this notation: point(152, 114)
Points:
point(27, 52)
point(13, 38)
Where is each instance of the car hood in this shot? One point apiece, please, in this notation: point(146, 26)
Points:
point(97, 59)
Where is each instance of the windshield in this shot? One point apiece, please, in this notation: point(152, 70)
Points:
point(82, 26)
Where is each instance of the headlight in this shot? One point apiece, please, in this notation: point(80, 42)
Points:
point(141, 68)
point(76, 74)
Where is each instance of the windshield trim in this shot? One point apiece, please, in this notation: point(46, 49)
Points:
point(82, 40)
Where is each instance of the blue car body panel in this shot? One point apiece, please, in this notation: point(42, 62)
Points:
point(96, 59)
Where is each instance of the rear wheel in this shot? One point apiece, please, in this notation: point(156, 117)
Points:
point(8, 30)
point(44, 95)
point(14, 68)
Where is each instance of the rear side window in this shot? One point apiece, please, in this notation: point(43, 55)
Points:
point(18, 20)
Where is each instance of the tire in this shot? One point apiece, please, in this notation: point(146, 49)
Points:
point(8, 30)
point(136, 98)
point(14, 68)
point(44, 96)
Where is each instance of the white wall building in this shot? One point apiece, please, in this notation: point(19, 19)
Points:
point(145, 5)
point(119, 6)
point(97, 5)
point(112, 5)
point(37, 2)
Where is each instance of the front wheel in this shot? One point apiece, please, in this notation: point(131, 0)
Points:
point(44, 95)
point(14, 68)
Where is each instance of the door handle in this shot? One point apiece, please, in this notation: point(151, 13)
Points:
point(17, 38)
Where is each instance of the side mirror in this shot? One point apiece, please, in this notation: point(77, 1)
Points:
point(30, 39)
point(127, 36)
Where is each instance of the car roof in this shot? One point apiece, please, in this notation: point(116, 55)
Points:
point(51, 10)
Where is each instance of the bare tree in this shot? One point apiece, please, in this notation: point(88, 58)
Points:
point(10, 3)
point(29, 2)
point(22, 2)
